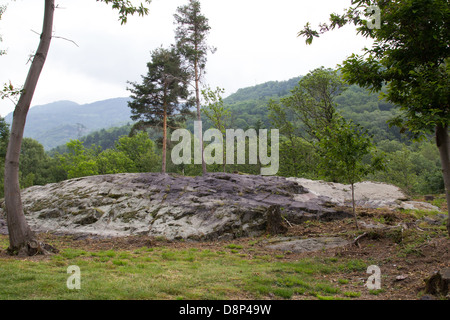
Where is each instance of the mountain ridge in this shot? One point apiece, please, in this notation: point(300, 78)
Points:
point(58, 122)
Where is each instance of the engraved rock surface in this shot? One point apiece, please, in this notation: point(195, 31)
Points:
point(216, 206)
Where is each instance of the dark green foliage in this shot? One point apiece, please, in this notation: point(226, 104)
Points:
point(4, 137)
point(253, 104)
point(106, 138)
point(126, 7)
point(161, 101)
point(343, 148)
point(163, 91)
point(190, 36)
point(264, 91)
point(249, 105)
point(36, 167)
point(298, 158)
point(416, 168)
point(410, 56)
point(372, 113)
point(131, 154)
point(310, 107)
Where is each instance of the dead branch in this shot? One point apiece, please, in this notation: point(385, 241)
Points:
point(356, 243)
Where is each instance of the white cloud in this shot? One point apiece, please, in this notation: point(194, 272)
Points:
point(256, 41)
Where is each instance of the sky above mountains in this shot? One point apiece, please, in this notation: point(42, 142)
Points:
point(256, 41)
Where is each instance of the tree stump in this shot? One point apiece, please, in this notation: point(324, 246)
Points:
point(275, 223)
point(438, 283)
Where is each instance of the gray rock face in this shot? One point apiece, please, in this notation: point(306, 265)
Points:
point(367, 194)
point(217, 206)
point(176, 207)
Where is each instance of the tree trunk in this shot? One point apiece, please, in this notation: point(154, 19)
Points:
point(275, 221)
point(199, 115)
point(224, 159)
point(443, 143)
point(354, 207)
point(164, 146)
point(20, 234)
point(224, 154)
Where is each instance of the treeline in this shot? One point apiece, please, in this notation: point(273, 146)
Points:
point(249, 105)
point(315, 105)
point(37, 167)
point(413, 166)
point(104, 138)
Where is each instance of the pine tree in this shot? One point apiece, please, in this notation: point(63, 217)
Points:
point(190, 35)
point(162, 99)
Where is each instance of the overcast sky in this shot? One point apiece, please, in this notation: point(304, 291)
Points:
point(256, 41)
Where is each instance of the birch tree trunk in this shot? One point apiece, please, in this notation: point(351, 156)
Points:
point(20, 234)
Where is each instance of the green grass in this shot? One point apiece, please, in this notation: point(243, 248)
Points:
point(352, 294)
point(420, 214)
point(164, 273)
point(439, 201)
point(376, 292)
point(234, 246)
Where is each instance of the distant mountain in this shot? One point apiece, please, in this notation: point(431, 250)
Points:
point(56, 123)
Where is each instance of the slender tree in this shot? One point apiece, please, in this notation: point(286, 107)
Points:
point(161, 99)
point(21, 237)
point(217, 113)
point(343, 147)
point(190, 34)
point(410, 54)
point(311, 103)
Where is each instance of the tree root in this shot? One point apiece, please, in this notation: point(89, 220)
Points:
point(33, 248)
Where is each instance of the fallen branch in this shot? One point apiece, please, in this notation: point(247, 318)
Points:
point(290, 225)
point(355, 242)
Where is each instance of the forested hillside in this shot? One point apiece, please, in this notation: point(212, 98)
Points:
point(413, 166)
point(56, 123)
point(250, 105)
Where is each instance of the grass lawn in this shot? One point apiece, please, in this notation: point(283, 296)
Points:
point(171, 273)
point(135, 268)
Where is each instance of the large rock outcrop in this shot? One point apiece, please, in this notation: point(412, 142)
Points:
point(216, 206)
